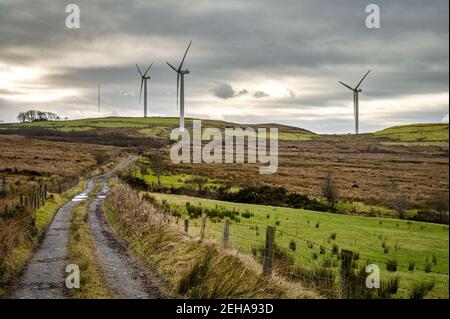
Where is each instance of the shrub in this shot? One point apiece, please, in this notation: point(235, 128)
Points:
point(391, 265)
point(420, 289)
point(427, 268)
point(411, 266)
point(333, 236)
point(247, 214)
point(335, 249)
point(292, 245)
point(329, 191)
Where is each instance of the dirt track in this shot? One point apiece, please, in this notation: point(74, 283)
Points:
point(44, 276)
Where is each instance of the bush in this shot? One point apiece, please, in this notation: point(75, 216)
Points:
point(247, 214)
point(411, 266)
point(267, 195)
point(292, 245)
point(420, 289)
point(391, 265)
point(335, 249)
point(427, 268)
point(333, 236)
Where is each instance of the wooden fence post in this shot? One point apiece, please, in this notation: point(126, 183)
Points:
point(226, 233)
point(202, 229)
point(177, 220)
point(186, 226)
point(345, 272)
point(269, 250)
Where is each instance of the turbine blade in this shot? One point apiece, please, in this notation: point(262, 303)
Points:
point(347, 86)
point(362, 80)
point(140, 94)
point(178, 85)
point(172, 66)
point(139, 70)
point(182, 61)
point(148, 69)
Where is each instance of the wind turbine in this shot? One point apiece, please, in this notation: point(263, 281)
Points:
point(356, 92)
point(144, 79)
point(180, 76)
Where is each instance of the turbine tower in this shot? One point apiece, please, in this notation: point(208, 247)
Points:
point(98, 98)
point(180, 89)
point(356, 92)
point(144, 79)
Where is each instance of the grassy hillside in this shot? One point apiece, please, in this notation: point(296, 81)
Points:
point(404, 241)
point(154, 126)
point(364, 165)
point(416, 133)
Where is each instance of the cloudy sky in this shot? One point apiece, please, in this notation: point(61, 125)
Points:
point(250, 61)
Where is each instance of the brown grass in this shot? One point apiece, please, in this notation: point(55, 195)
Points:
point(191, 268)
point(363, 168)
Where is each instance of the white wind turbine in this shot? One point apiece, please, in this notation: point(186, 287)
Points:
point(144, 79)
point(180, 76)
point(356, 92)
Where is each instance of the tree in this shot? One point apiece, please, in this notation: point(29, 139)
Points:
point(21, 117)
point(398, 201)
point(329, 190)
point(35, 115)
point(200, 182)
point(157, 166)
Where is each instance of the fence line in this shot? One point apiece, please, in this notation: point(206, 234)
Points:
point(315, 265)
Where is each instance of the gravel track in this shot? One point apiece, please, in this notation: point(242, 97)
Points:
point(44, 276)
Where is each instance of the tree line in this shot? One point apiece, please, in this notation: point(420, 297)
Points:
point(35, 115)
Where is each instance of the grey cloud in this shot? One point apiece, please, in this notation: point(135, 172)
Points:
point(224, 91)
point(233, 42)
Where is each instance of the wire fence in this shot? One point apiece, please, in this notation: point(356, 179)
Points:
point(297, 259)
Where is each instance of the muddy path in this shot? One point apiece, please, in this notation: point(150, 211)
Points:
point(44, 276)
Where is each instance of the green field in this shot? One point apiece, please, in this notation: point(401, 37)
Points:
point(420, 243)
point(154, 126)
point(433, 133)
point(416, 133)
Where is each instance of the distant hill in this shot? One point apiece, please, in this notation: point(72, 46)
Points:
point(428, 132)
point(152, 126)
point(431, 133)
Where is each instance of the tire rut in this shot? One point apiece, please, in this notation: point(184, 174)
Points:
point(124, 276)
point(44, 275)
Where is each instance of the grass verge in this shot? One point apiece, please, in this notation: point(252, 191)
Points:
point(82, 253)
point(191, 269)
point(20, 244)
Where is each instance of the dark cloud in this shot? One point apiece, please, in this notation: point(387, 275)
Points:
point(260, 94)
point(225, 91)
point(304, 46)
